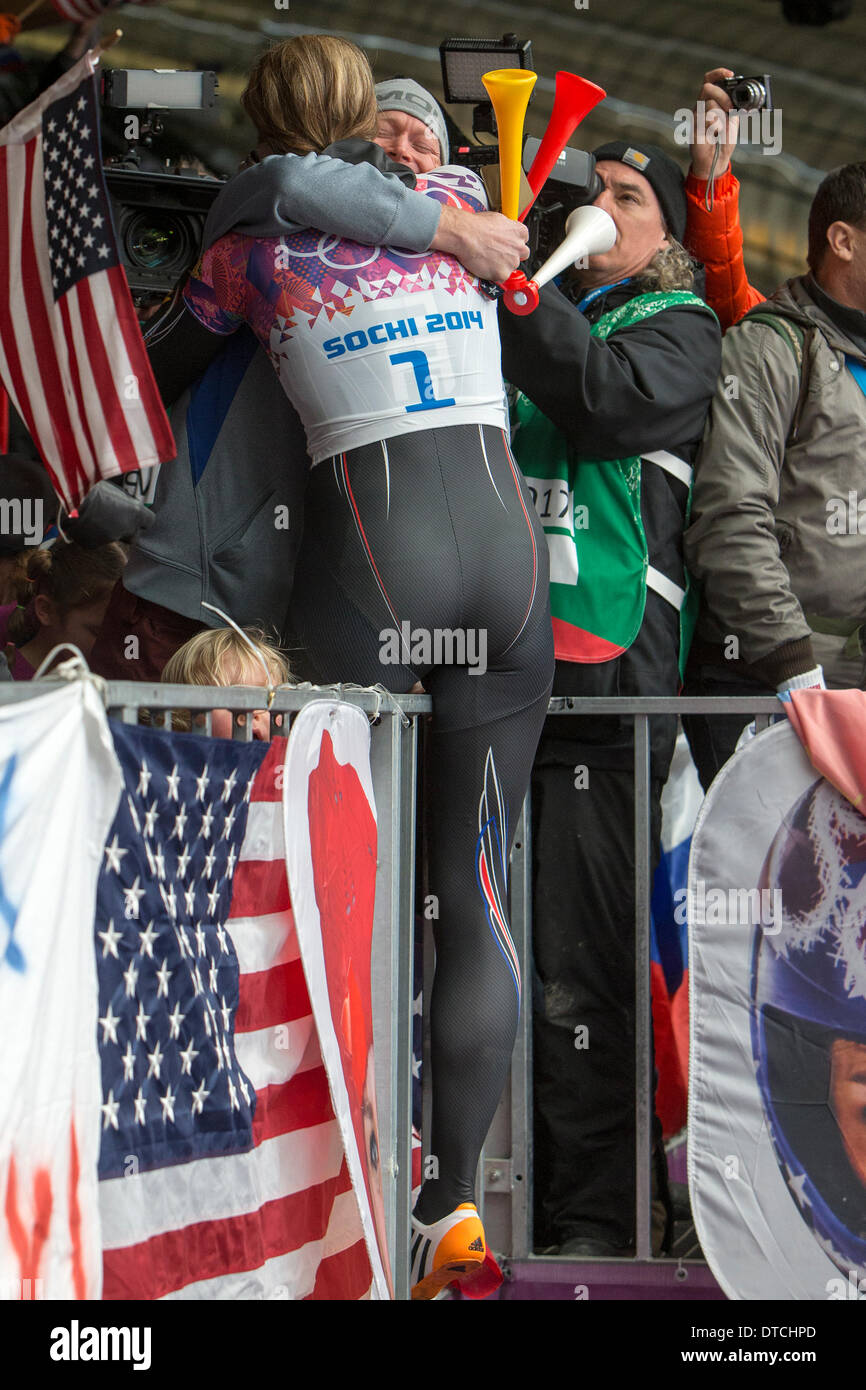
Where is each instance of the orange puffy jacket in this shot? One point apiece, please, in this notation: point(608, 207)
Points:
point(716, 240)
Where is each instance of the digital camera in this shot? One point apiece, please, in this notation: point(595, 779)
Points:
point(749, 93)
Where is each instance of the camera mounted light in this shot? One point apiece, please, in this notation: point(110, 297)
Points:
point(158, 89)
point(465, 61)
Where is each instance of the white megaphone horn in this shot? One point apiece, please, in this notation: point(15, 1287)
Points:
point(588, 232)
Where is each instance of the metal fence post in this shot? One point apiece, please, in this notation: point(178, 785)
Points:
point(405, 742)
point(521, 1062)
point(391, 762)
point(643, 1034)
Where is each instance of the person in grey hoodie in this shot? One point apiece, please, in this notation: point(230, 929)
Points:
point(229, 508)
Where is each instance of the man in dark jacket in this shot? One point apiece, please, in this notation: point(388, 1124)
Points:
point(617, 371)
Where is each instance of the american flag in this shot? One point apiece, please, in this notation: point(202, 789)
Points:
point(71, 353)
point(221, 1164)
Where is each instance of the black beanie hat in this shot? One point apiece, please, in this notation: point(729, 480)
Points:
point(662, 173)
point(25, 485)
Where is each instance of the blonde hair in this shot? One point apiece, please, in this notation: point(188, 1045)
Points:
point(208, 658)
point(305, 93)
point(204, 659)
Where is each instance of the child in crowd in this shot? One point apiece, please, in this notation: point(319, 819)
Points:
point(221, 656)
point(13, 573)
point(62, 595)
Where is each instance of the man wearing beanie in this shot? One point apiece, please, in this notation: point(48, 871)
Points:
point(616, 369)
point(412, 128)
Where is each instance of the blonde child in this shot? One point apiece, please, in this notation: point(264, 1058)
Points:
point(222, 656)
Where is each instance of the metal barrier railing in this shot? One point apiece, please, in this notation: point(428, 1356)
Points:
point(514, 1173)
point(394, 752)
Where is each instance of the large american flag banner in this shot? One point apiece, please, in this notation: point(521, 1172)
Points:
point(222, 1168)
point(71, 353)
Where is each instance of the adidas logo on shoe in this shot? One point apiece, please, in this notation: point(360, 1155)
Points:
point(452, 1248)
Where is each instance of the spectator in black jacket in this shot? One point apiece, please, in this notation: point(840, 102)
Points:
point(622, 362)
point(22, 82)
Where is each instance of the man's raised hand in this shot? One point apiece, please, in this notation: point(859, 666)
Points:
point(716, 125)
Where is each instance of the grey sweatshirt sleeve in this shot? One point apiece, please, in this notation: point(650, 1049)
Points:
point(287, 192)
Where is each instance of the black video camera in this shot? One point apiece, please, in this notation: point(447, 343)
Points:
point(573, 181)
point(159, 216)
point(159, 219)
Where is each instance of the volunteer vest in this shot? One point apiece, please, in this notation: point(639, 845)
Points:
point(591, 513)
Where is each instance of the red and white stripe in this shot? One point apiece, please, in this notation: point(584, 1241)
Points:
point(68, 366)
point(280, 1221)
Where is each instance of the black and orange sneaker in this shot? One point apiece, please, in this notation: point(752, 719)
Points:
point(452, 1248)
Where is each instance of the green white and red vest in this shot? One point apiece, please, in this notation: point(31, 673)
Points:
point(591, 513)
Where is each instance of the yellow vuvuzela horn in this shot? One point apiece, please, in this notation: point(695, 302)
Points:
point(509, 90)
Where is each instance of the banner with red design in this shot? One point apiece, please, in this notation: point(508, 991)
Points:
point(51, 748)
point(330, 828)
point(777, 1090)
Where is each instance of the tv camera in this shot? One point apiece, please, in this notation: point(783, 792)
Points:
point(159, 216)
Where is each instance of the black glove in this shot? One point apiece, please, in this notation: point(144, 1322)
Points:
point(107, 514)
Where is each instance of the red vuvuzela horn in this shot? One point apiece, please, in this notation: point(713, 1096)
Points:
point(574, 99)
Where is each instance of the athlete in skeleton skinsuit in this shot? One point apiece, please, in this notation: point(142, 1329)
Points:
point(418, 527)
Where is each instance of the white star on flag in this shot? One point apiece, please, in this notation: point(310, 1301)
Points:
point(114, 855)
point(199, 1096)
point(130, 976)
point(110, 938)
point(109, 1110)
point(141, 1021)
point(109, 1025)
point(167, 1103)
point(154, 1059)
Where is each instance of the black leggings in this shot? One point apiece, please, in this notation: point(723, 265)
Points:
point(423, 559)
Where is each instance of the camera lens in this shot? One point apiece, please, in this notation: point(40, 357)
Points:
point(157, 241)
point(749, 96)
